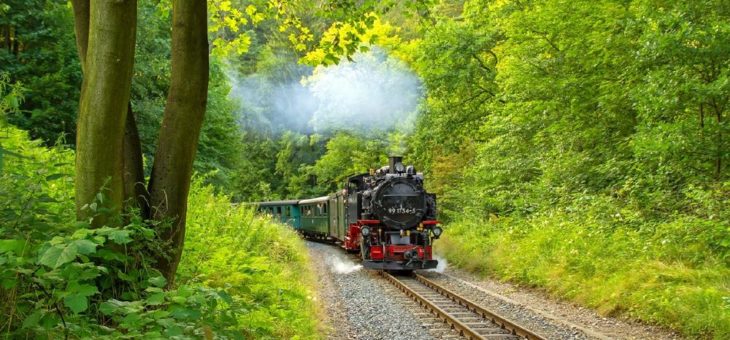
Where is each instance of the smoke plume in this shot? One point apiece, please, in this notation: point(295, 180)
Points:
point(373, 93)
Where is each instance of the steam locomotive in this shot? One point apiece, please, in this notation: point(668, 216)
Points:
point(385, 215)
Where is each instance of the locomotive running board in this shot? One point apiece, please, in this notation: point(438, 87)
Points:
point(400, 265)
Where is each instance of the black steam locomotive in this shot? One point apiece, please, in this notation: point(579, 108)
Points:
point(386, 215)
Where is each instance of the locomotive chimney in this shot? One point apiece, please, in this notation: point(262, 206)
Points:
point(393, 161)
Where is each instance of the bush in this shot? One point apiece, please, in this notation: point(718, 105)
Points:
point(241, 276)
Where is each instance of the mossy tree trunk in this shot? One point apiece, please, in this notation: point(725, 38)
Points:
point(181, 124)
point(109, 150)
point(107, 65)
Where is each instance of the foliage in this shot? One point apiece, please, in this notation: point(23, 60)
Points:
point(38, 50)
point(261, 264)
point(62, 278)
point(347, 155)
point(581, 146)
point(220, 139)
point(219, 145)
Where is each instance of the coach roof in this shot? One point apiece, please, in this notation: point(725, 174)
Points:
point(315, 200)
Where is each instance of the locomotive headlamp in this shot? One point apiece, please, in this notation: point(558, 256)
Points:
point(365, 231)
point(436, 232)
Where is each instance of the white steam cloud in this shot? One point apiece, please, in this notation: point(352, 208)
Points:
point(342, 266)
point(443, 264)
point(373, 93)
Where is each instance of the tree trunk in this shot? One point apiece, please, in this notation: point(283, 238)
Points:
point(81, 26)
point(105, 94)
point(135, 190)
point(181, 124)
point(134, 182)
point(7, 37)
point(720, 147)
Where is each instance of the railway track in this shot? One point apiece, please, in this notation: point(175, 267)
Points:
point(468, 319)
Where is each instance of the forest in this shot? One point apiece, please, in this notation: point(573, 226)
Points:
point(578, 147)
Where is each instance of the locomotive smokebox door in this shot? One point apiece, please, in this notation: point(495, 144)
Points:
point(400, 203)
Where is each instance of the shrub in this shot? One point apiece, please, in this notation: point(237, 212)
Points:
point(241, 277)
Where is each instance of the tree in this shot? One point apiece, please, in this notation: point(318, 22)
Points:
point(108, 149)
point(37, 51)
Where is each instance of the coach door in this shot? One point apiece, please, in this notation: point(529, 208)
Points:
point(333, 213)
point(341, 217)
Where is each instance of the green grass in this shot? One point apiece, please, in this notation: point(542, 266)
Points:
point(661, 277)
point(261, 262)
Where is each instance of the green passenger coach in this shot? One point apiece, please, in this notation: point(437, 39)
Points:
point(285, 211)
point(315, 219)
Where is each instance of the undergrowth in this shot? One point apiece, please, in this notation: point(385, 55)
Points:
point(260, 262)
point(674, 273)
point(241, 276)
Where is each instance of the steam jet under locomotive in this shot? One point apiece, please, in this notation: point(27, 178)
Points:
point(386, 215)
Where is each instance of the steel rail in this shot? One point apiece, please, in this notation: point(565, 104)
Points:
point(511, 326)
point(463, 329)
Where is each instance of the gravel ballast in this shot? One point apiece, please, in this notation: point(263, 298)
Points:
point(359, 304)
point(537, 311)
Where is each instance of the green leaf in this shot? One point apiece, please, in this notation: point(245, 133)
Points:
point(82, 289)
point(173, 331)
point(55, 176)
point(76, 302)
point(32, 320)
point(8, 283)
point(156, 299)
point(81, 233)
point(120, 236)
point(158, 281)
point(127, 277)
point(133, 320)
point(85, 247)
point(108, 307)
point(46, 199)
point(58, 255)
point(110, 255)
point(225, 297)
point(7, 246)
